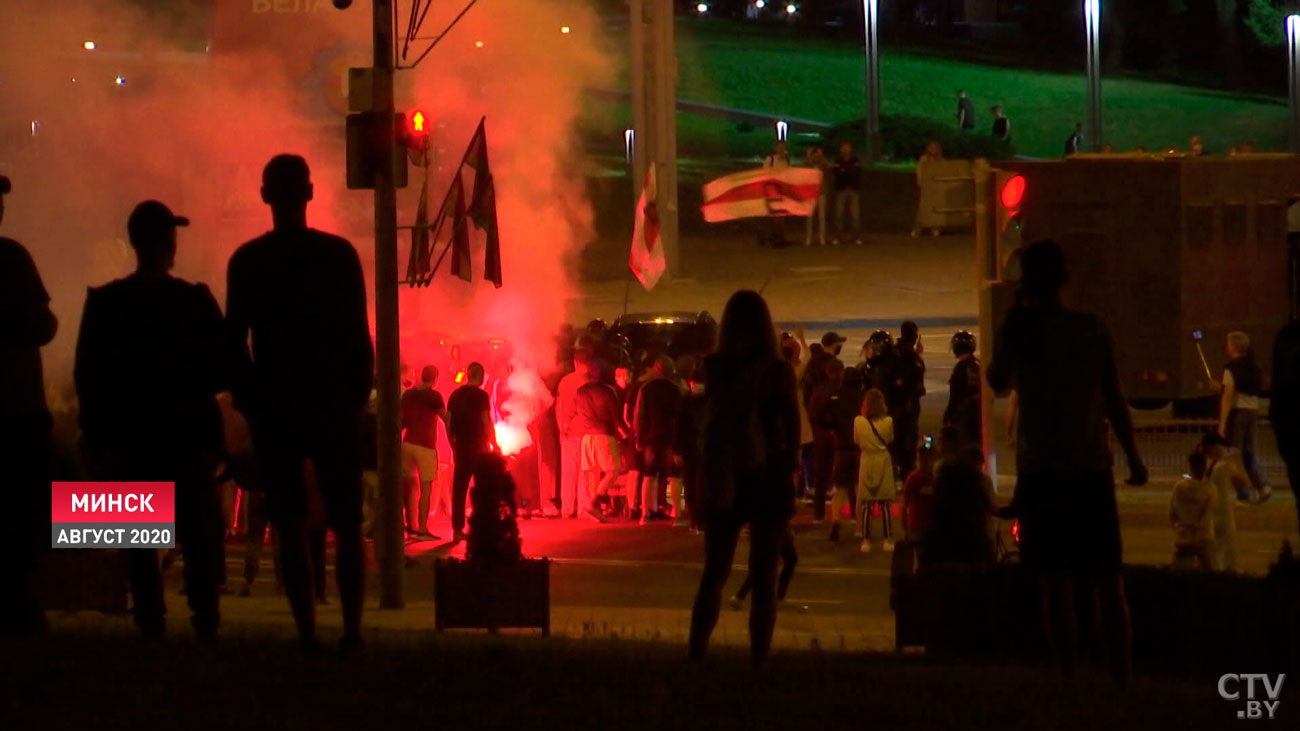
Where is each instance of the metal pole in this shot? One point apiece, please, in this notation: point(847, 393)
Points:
point(1092, 26)
point(1293, 81)
point(390, 545)
point(985, 273)
point(641, 143)
point(664, 143)
point(872, 81)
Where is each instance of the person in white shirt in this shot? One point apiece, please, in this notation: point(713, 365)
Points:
point(1191, 514)
point(1229, 480)
point(873, 432)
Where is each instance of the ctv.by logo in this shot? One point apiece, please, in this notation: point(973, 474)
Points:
point(1230, 690)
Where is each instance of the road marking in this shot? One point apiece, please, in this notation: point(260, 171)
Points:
point(816, 270)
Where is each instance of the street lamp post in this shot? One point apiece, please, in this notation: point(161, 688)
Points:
point(872, 81)
point(1092, 27)
point(1293, 82)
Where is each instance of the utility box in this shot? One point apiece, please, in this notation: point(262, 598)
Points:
point(365, 153)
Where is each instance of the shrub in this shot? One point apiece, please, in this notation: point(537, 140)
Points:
point(904, 137)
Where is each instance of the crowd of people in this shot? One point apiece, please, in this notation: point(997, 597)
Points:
point(723, 441)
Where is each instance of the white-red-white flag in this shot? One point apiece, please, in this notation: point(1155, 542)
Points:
point(647, 257)
point(762, 192)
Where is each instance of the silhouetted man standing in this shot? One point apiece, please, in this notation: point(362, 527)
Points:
point(470, 430)
point(152, 355)
point(301, 294)
point(26, 324)
point(1062, 365)
point(1284, 407)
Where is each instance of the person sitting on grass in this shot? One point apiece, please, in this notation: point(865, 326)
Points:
point(1191, 512)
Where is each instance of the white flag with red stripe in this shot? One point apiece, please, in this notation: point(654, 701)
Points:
point(647, 258)
point(762, 192)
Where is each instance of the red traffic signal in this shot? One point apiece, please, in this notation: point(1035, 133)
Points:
point(1013, 191)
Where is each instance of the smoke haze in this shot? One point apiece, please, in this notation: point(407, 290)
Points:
point(86, 134)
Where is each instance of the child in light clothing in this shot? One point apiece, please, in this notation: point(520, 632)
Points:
point(873, 432)
point(1191, 513)
point(1230, 480)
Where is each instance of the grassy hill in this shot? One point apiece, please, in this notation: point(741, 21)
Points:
point(742, 66)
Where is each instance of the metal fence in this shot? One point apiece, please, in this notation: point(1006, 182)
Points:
point(1165, 443)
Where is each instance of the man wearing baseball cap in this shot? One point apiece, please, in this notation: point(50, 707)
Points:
point(833, 342)
point(151, 358)
point(26, 324)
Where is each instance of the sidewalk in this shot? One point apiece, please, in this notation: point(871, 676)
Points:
point(268, 613)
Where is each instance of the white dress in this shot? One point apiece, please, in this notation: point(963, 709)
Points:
point(875, 467)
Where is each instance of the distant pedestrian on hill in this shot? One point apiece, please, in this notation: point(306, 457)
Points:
point(750, 450)
point(816, 159)
point(1001, 125)
point(848, 194)
point(1074, 143)
point(965, 113)
point(933, 154)
point(1062, 365)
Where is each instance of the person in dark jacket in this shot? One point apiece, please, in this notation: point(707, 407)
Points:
point(750, 446)
point(26, 323)
point(1001, 125)
point(1074, 143)
point(911, 386)
point(847, 176)
point(965, 113)
point(152, 355)
point(1241, 385)
point(654, 422)
point(844, 407)
point(963, 410)
point(686, 441)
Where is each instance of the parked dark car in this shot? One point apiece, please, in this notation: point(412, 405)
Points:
point(675, 334)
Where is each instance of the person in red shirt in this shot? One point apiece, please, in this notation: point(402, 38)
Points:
point(918, 493)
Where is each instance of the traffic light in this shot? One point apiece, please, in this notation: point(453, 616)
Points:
point(413, 133)
point(1008, 222)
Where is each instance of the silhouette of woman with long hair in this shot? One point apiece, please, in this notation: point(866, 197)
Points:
point(750, 448)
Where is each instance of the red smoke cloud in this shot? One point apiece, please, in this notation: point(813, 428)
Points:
point(194, 127)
